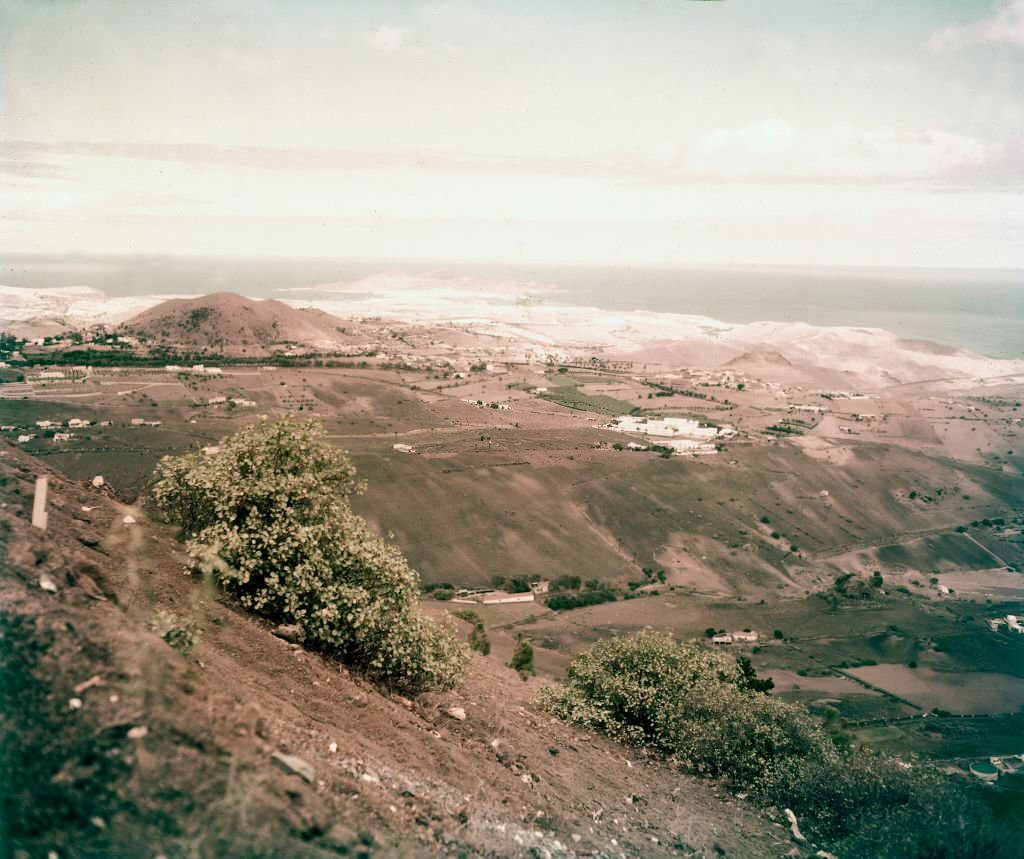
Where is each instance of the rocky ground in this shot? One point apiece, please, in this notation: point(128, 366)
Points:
point(116, 744)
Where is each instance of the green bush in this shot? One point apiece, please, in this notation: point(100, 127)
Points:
point(522, 659)
point(479, 641)
point(561, 602)
point(178, 633)
point(268, 516)
point(705, 711)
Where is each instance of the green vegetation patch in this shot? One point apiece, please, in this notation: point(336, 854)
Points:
point(572, 397)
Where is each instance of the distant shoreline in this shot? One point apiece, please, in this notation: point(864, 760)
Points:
point(979, 310)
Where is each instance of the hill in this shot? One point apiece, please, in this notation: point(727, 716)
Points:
point(230, 324)
point(116, 744)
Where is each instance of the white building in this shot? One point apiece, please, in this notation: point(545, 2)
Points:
point(493, 598)
point(403, 448)
point(744, 635)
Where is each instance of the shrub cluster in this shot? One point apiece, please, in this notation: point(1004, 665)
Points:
point(268, 516)
point(561, 602)
point(708, 713)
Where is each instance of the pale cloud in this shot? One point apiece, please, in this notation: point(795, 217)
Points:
point(774, 150)
point(1004, 25)
point(386, 39)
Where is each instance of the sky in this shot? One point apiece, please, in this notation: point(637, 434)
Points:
point(796, 132)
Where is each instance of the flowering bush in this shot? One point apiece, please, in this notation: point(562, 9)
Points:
point(694, 705)
point(268, 516)
point(707, 712)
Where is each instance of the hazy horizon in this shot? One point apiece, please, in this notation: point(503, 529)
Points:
point(684, 134)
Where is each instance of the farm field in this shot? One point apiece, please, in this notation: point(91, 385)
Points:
point(503, 481)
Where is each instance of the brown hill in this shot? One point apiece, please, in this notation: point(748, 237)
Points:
point(115, 744)
point(230, 324)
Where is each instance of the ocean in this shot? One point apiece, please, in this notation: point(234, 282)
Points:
point(981, 310)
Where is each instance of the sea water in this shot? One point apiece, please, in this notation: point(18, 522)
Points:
point(982, 310)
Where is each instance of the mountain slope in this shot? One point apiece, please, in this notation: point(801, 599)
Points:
point(231, 324)
point(172, 754)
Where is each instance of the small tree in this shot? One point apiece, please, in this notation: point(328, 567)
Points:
point(522, 659)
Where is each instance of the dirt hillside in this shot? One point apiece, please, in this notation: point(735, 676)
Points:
point(230, 324)
point(115, 744)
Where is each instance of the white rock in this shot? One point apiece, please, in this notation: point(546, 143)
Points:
point(129, 520)
point(793, 826)
point(332, 748)
point(456, 713)
point(138, 732)
point(47, 583)
point(98, 481)
point(75, 704)
point(294, 765)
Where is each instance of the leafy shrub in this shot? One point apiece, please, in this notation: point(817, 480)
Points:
point(522, 659)
point(178, 633)
point(479, 641)
point(561, 602)
point(704, 711)
point(687, 702)
point(268, 516)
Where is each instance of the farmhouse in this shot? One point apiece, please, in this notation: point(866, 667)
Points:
point(492, 597)
point(137, 422)
point(78, 423)
point(1012, 622)
point(403, 448)
point(500, 598)
point(24, 438)
point(722, 638)
point(745, 635)
point(61, 436)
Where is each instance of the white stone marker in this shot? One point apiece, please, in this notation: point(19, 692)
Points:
point(39, 515)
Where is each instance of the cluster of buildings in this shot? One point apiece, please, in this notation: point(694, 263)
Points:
point(480, 404)
point(997, 765)
point(1011, 621)
point(487, 596)
point(236, 401)
point(683, 435)
point(197, 369)
point(744, 636)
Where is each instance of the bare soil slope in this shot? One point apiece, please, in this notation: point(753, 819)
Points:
point(114, 744)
